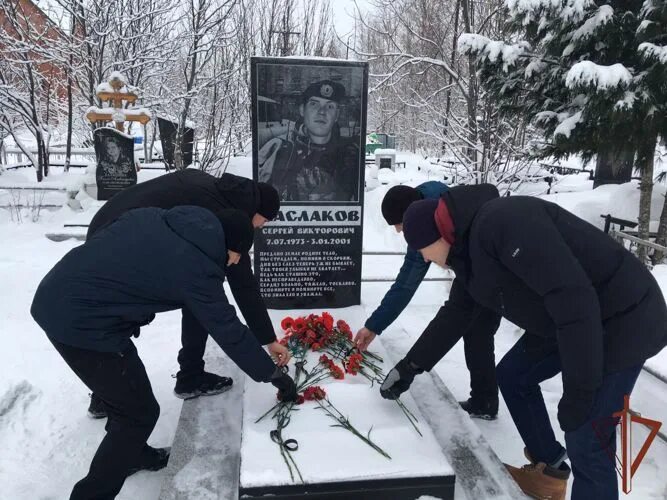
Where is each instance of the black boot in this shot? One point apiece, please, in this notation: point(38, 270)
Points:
point(485, 410)
point(205, 384)
point(151, 459)
point(96, 409)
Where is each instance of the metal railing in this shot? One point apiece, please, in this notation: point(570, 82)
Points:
point(620, 235)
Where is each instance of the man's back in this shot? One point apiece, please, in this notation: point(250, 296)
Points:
point(186, 187)
point(144, 263)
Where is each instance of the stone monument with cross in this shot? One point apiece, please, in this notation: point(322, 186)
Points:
point(116, 168)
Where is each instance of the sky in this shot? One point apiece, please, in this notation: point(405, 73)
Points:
point(344, 11)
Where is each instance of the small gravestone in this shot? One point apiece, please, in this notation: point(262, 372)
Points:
point(168, 137)
point(115, 162)
point(114, 150)
point(385, 158)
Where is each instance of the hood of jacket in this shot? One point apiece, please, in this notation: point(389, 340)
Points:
point(238, 192)
point(200, 228)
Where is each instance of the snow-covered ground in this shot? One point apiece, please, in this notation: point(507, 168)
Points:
point(46, 439)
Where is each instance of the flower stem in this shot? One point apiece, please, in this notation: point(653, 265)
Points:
point(410, 416)
point(344, 422)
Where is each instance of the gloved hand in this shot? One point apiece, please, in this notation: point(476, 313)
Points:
point(285, 385)
point(399, 379)
point(574, 409)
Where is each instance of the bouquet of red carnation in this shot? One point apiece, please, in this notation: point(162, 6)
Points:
point(322, 334)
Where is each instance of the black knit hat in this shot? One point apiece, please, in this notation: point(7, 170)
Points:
point(419, 226)
point(396, 202)
point(269, 201)
point(238, 230)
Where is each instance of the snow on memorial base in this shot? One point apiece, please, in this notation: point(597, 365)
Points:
point(221, 450)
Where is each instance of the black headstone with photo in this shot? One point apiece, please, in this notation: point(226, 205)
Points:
point(310, 256)
point(168, 132)
point(115, 162)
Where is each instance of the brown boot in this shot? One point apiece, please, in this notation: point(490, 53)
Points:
point(541, 481)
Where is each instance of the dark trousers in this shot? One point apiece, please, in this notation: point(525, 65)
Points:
point(120, 380)
point(193, 342)
point(478, 346)
point(191, 355)
point(591, 447)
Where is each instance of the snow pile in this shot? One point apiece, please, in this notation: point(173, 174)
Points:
point(619, 200)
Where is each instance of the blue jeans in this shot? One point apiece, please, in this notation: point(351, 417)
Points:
point(591, 451)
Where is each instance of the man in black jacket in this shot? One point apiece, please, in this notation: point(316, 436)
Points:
point(260, 202)
point(98, 296)
point(590, 309)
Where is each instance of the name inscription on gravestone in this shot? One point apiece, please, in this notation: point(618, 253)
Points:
point(309, 255)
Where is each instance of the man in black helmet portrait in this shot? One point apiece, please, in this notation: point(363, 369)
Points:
point(314, 163)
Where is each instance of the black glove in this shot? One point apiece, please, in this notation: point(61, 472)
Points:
point(574, 409)
point(399, 379)
point(285, 385)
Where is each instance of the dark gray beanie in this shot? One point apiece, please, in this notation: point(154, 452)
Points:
point(419, 228)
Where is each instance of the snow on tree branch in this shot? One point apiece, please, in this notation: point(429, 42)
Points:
point(652, 51)
point(567, 125)
point(492, 50)
point(589, 74)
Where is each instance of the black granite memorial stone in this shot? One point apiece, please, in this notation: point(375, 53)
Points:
point(168, 134)
point(313, 154)
point(115, 162)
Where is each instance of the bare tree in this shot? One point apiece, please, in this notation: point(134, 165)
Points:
point(426, 91)
point(31, 79)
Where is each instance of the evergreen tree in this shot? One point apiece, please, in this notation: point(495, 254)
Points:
point(591, 76)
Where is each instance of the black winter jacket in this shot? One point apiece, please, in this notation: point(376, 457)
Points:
point(149, 261)
point(195, 187)
point(569, 285)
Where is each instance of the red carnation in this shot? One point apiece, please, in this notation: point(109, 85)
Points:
point(286, 323)
point(299, 325)
point(343, 326)
point(316, 346)
point(353, 364)
point(314, 393)
point(327, 320)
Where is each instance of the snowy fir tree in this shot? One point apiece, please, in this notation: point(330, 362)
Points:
point(590, 77)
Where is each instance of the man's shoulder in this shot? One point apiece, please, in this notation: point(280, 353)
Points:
point(432, 189)
point(510, 213)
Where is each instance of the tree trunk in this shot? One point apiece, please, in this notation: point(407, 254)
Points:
point(152, 143)
point(471, 97)
point(68, 146)
point(614, 167)
point(40, 158)
point(448, 106)
point(645, 153)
